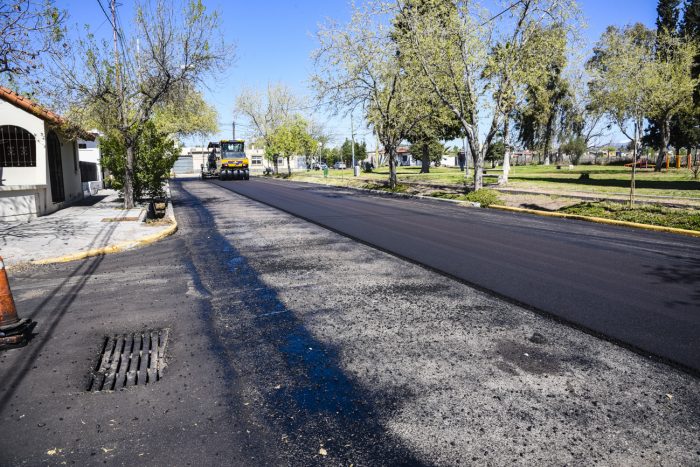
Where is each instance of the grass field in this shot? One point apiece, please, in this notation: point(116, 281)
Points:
point(675, 183)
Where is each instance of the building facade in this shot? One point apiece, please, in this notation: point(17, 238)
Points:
point(39, 163)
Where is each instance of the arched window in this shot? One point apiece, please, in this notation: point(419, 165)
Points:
point(17, 147)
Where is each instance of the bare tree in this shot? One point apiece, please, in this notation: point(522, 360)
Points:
point(28, 30)
point(358, 66)
point(266, 113)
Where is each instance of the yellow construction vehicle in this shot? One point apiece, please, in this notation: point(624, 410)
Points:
point(227, 161)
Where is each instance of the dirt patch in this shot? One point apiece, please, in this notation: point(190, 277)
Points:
point(539, 202)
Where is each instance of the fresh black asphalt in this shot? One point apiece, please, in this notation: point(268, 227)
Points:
point(638, 288)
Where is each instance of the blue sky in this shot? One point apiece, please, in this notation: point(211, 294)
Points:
point(274, 40)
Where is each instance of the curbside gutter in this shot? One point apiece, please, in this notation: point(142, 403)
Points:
point(597, 220)
point(116, 247)
point(600, 220)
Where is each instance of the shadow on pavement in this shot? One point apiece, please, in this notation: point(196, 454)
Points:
point(48, 318)
point(308, 396)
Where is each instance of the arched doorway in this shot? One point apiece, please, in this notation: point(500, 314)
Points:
point(53, 149)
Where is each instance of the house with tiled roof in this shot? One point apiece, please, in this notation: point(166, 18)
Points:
point(39, 161)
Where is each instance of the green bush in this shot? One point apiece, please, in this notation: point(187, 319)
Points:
point(484, 196)
point(154, 157)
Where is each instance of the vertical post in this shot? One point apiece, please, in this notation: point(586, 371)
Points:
point(233, 124)
point(352, 137)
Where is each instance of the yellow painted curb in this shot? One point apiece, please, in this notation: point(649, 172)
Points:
point(115, 248)
point(600, 220)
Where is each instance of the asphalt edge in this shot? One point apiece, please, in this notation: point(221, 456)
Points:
point(109, 249)
point(595, 220)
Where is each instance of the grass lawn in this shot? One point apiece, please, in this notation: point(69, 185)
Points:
point(643, 214)
point(677, 183)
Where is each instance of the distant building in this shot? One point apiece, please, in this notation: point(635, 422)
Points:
point(39, 164)
point(89, 155)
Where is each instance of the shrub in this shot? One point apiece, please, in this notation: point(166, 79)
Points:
point(154, 157)
point(485, 197)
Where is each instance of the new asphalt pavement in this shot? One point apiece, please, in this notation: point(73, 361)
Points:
point(638, 288)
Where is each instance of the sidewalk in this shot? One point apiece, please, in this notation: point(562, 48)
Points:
point(96, 225)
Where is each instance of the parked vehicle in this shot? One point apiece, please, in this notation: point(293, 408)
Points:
point(339, 166)
point(320, 166)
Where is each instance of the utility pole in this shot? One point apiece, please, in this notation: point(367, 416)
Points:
point(129, 166)
point(234, 129)
point(352, 137)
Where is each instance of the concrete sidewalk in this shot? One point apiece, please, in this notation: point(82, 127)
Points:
point(96, 225)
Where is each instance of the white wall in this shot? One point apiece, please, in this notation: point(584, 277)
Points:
point(11, 115)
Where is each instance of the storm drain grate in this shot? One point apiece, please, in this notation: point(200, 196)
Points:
point(129, 360)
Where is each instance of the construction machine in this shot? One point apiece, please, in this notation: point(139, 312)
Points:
point(227, 161)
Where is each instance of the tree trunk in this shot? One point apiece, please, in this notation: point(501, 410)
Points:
point(289, 166)
point(392, 167)
point(506, 152)
point(129, 176)
point(425, 159)
point(665, 138)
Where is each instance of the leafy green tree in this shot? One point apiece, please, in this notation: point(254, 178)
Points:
point(346, 151)
point(575, 148)
point(155, 155)
point(186, 115)
point(668, 12)
point(474, 64)
point(546, 94)
point(619, 83)
point(670, 85)
point(357, 66)
point(437, 122)
point(122, 88)
point(289, 139)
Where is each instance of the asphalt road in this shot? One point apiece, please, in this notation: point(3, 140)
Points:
point(638, 288)
point(292, 345)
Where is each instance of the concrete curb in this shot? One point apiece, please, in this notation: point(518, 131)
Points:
point(600, 220)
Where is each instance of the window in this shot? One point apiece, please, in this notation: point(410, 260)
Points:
point(257, 160)
point(17, 147)
point(82, 145)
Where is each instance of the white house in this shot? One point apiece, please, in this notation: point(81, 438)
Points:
point(39, 165)
point(89, 155)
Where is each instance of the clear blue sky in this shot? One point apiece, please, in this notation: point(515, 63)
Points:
point(274, 40)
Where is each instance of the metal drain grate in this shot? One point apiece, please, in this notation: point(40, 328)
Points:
point(129, 360)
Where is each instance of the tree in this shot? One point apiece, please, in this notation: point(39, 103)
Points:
point(266, 113)
point(289, 139)
point(475, 60)
point(667, 12)
point(186, 115)
point(29, 29)
point(346, 151)
point(155, 155)
point(123, 88)
point(357, 66)
point(439, 122)
point(619, 83)
point(575, 148)
point(670, 85)
point(546, 94)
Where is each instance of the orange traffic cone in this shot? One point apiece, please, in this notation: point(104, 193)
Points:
point(12, 329)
